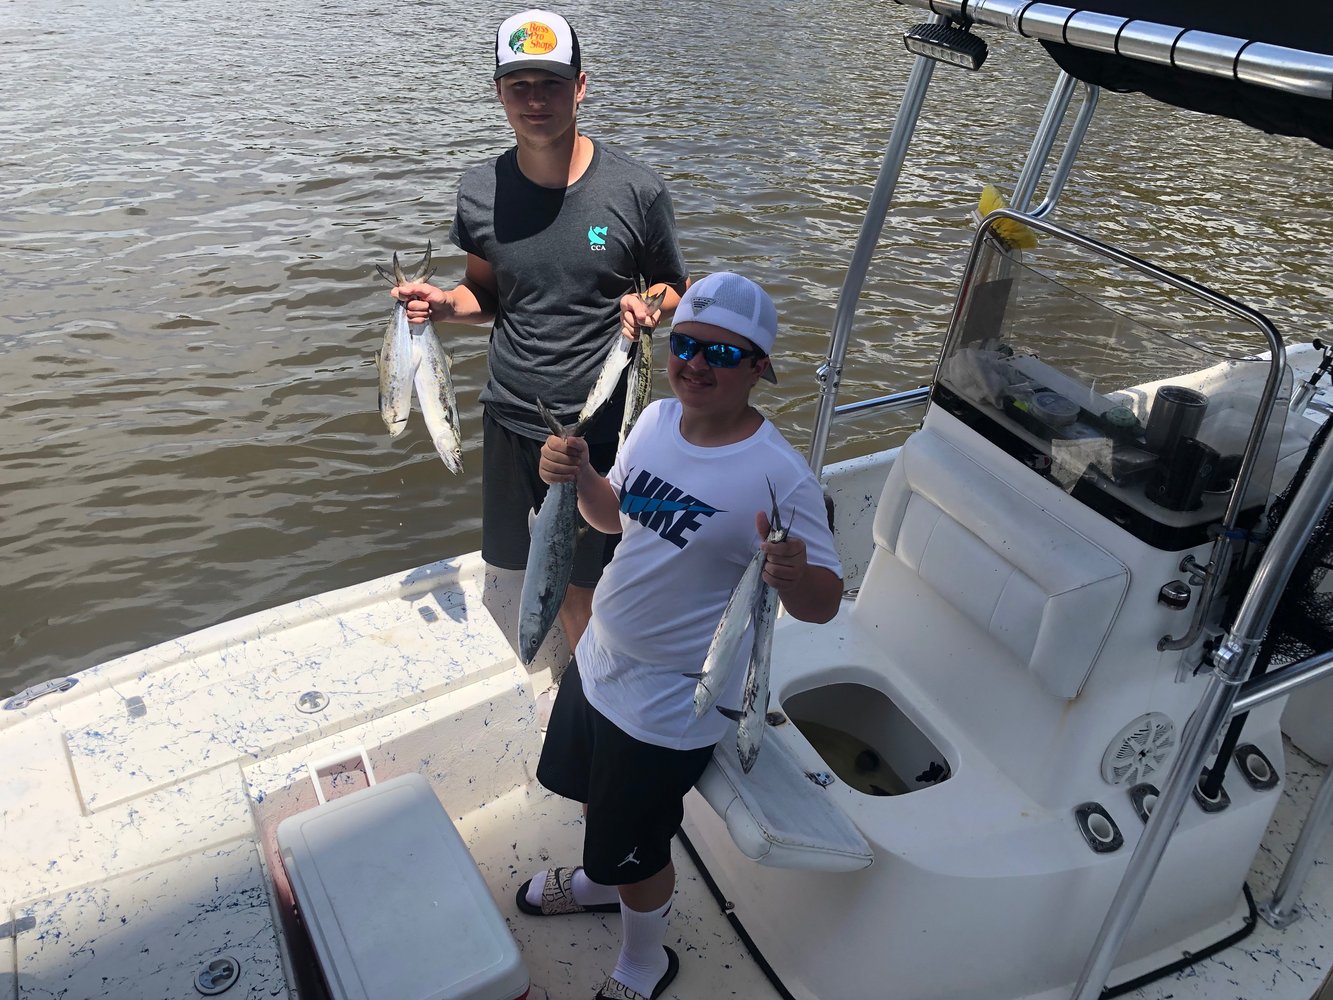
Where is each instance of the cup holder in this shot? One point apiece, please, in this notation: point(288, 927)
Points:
point(1143, 797)
point(1255, 767)
point(1098, 828)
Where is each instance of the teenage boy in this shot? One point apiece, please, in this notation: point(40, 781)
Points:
point(558, 232)
point(690, 493)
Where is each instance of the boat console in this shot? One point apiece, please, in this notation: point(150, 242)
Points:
point(1133, 421)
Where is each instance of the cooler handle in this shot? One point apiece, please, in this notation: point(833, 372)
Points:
point(313, 767)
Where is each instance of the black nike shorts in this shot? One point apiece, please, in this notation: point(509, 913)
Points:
point(634, 791)
point(511, 489)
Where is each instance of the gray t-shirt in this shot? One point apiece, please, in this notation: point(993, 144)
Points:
point(562, 259)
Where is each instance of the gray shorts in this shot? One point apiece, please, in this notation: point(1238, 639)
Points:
point(511, 489)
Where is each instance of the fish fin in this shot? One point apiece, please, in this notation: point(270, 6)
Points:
point(698, 675)
point(734, 714)
point(385, 274)
point(398, 270)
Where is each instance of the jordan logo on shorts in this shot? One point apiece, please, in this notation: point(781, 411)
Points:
point(629, 857)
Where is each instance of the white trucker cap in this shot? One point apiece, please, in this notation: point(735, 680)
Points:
point(537, 39)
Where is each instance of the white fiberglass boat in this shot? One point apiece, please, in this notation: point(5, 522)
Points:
point(1046, 747)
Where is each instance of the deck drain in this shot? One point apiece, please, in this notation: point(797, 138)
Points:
point(312, 701)
point(218, 976)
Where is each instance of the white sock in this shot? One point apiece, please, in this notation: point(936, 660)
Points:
point(586, 891)
point(590, 893)
point(643, 960)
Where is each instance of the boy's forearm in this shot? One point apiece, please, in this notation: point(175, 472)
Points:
point(598, 502)
point(471, 303)
point(815, 596)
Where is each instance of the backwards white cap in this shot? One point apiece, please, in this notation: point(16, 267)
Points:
point(734, 303)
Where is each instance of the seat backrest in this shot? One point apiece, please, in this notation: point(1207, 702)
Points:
point(1045, 591)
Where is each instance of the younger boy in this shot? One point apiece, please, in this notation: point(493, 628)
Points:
point(690, 490)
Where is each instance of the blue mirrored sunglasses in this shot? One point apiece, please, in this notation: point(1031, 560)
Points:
point(716, 355)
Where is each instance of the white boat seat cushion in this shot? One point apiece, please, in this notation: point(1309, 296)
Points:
point(776, 815)
point(1045, 591)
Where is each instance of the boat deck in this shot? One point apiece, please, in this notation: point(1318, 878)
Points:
point(140, 808)
point(140, 813)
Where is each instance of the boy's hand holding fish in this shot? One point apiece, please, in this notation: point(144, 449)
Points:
point(805, 596)
point(562, 459)
point(636, 313)
point(566, 460)
point(424, 301)
point(784, 562)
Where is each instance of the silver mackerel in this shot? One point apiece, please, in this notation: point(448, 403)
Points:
point(397, 360)
point(435, 393)
point(752, 716)
point(550, 556)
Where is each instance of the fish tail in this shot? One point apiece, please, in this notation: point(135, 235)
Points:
point(549, 418)
point(424, 270)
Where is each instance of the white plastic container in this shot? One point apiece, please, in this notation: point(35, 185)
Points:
point(393, 902)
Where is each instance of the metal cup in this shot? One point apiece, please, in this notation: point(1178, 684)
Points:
point(1176, 414)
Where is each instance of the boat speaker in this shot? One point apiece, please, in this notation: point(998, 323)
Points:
point(1139, 750)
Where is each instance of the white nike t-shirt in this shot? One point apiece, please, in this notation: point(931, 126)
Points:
point(687, 514)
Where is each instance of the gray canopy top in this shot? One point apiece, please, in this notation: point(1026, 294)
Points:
point(1267, 65)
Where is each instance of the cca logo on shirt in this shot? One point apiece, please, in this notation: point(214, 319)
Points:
point(597, 237)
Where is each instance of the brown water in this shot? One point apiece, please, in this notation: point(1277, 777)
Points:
point(195, 194)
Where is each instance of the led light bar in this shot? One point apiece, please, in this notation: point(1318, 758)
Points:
point(947, 44)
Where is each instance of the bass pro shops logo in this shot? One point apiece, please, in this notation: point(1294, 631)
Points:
point(597, 237)
point(533, 39)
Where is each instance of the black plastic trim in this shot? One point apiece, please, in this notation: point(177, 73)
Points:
point(726, 907)
point(1191, 956)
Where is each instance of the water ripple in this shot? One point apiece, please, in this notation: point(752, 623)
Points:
point(199, 192)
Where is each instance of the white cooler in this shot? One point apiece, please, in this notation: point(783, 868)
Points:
point(393, 902)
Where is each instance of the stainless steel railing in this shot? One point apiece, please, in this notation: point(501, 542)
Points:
point(1273, 67)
